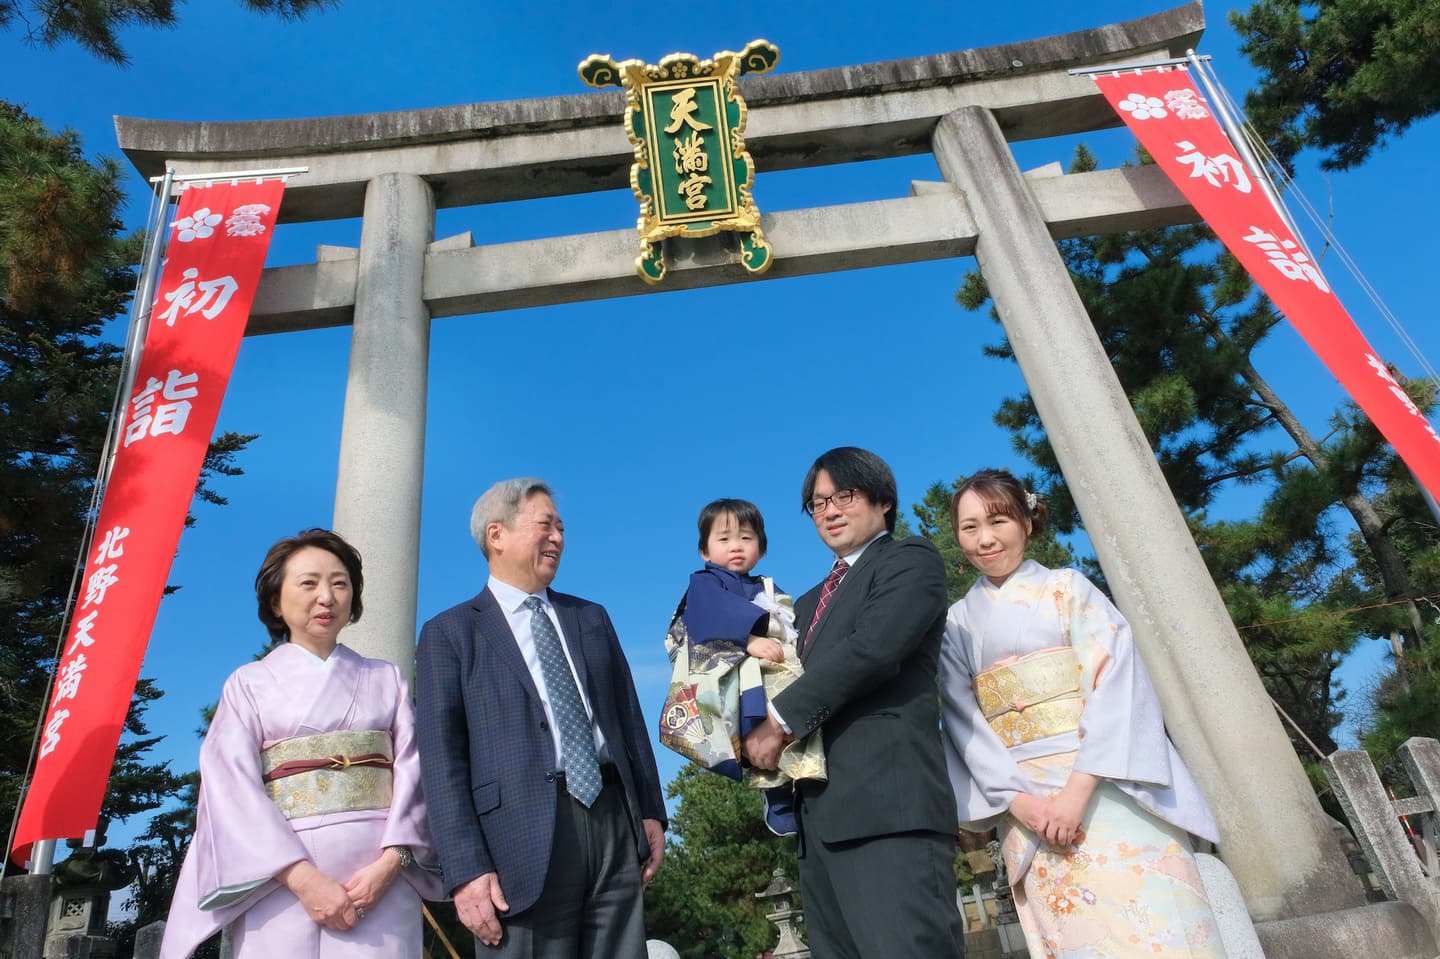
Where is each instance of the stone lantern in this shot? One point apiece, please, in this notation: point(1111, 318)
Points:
point(80, 901)
point(785, 916)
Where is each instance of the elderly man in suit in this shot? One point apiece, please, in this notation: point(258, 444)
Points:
point(878, 837)
point(539, 777)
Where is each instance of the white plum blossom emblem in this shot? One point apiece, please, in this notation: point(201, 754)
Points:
point(199, 225)
point(1142, 107)
point(1186, 105)
point(245, 220)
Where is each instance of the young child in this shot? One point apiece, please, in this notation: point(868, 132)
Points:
point(731, 646)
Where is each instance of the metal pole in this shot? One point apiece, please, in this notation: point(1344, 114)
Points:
point(42, 857)
point(1237, 137)
point(144, 297)
point(267, 174)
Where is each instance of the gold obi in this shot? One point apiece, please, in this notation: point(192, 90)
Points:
point(342, 784)
point(1032, 697)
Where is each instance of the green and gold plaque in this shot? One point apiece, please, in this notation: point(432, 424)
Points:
point(692, 175)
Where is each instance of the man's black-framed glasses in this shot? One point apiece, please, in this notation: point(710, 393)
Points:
point(841, 498)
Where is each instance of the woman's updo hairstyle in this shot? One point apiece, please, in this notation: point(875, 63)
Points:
point(1002, 493)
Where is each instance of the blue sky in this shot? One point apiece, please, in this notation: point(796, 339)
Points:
point(637, 410)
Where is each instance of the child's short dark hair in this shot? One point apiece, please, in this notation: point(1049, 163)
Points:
point(745, 512)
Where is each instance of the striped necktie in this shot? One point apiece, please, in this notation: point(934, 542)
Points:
point(832, 582)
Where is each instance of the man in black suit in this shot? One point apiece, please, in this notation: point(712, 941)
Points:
point(539, 778)
point(877, 839)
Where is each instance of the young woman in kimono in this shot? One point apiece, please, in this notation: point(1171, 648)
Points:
point(310, 833)
point(731, 646)
point(1054, 733)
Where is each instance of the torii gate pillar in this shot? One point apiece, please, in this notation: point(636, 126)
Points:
point(1275, 839)
point(382, 442)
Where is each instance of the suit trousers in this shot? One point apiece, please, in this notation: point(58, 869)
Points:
point(881, 897)
point(592, 905)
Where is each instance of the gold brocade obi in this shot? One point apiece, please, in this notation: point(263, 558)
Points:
point(1032, 697)
point(342, 784)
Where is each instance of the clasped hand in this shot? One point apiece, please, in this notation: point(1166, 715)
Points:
point(1056, 818)
point(324, 899)
point(368, 885)
point(335, 906)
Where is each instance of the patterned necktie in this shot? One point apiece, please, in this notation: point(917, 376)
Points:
point(837, 573)
point(577, 739)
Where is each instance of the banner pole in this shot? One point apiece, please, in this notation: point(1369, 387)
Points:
point(42, 858)
point(1237, 137)
point(144, 300)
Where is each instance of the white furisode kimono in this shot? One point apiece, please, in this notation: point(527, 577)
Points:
point(243, 838)
point(1063, 688)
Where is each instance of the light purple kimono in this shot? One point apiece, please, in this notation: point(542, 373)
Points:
point(242, 840)
point(1122, 732)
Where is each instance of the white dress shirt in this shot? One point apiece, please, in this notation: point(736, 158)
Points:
point(517, 614)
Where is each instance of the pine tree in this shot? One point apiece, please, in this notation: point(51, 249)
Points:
point(94, 24)
point(1340, 76)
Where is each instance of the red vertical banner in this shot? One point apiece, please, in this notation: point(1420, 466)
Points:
point(1176, 126)
point(214, 258)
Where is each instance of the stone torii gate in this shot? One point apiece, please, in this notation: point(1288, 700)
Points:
point(395, 169)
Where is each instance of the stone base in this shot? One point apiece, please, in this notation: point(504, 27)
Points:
point(1237, 933)
point(1394, 930)
point(24, 912)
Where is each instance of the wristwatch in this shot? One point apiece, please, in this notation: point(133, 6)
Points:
point(407, 858)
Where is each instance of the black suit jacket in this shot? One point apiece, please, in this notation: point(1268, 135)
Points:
point(486, 751)
point(870, 685)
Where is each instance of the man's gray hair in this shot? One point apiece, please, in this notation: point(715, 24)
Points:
point(501, 503)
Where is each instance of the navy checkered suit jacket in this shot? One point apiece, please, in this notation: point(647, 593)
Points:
point(486, 748)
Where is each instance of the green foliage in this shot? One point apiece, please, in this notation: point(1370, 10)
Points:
point(717, 856)
point(1340, 76)
point(94, 24)
point(1407, 702)
point(1403, 707)
point(156, 855)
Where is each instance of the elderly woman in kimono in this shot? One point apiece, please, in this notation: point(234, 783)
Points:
point(1054, 733)
point(310, 833)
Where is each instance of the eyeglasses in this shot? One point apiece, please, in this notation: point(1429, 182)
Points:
point(841, 498)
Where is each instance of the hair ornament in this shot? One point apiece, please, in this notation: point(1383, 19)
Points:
point(1030, 500)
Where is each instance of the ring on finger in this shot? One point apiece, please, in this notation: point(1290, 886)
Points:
point(359, 912)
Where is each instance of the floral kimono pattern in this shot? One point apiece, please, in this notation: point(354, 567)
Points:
point(1128, 885)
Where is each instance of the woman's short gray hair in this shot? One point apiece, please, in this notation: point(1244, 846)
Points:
point(501, 503)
